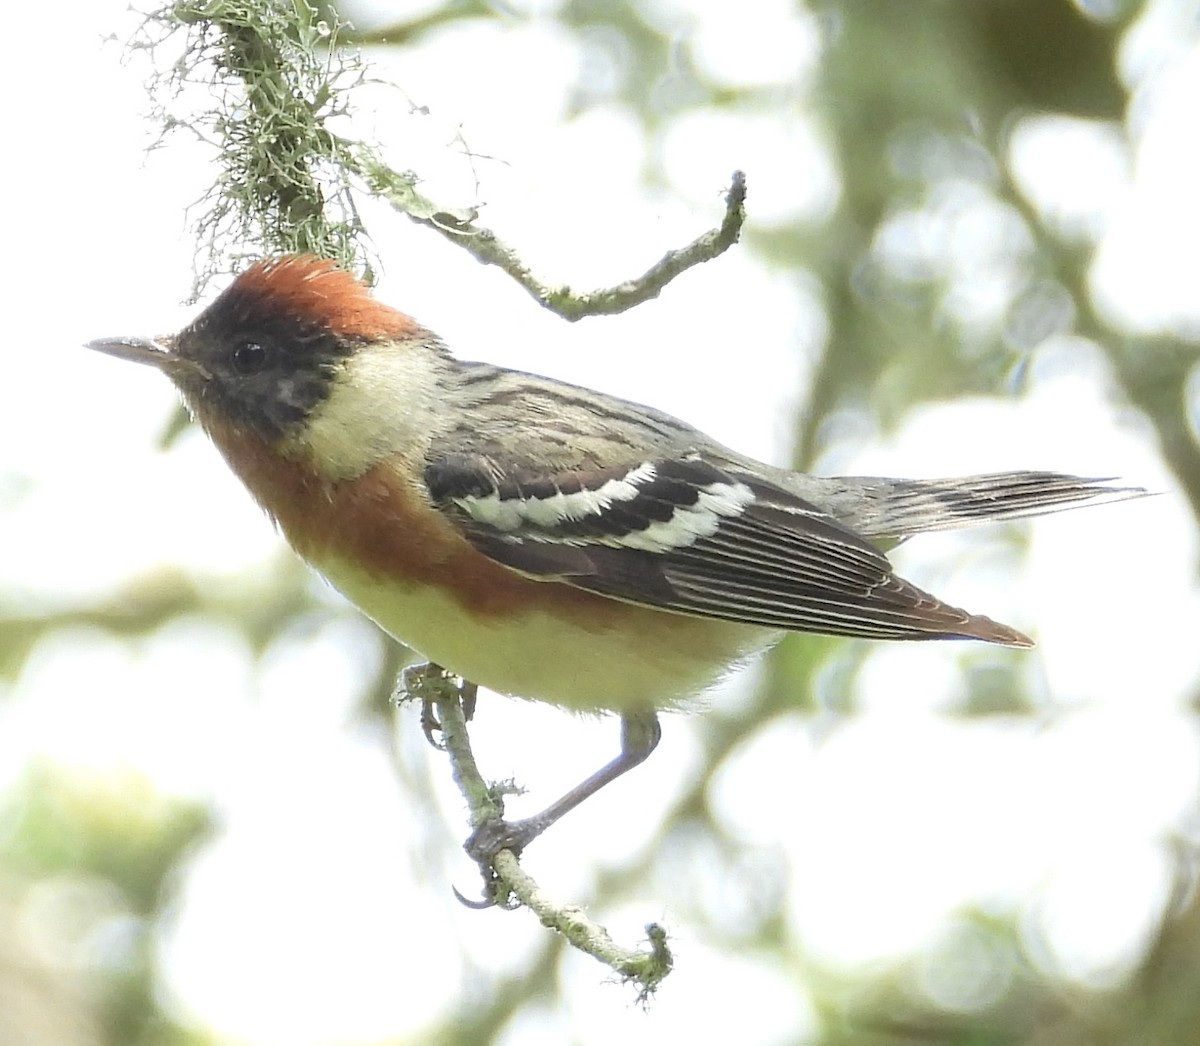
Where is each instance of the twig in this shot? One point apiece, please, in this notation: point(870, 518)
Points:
point(510, 884)
point(461, 228)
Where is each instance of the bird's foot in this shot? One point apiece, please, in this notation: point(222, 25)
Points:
point(432, 683)
point(489, 839)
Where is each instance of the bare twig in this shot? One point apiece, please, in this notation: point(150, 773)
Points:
point(507, 881)
point(461, 228)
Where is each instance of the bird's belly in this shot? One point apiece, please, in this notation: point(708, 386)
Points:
point(638, 658)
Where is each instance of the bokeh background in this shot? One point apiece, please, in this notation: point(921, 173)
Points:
point(972, 245)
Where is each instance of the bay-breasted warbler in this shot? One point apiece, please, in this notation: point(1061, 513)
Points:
point(538, 538)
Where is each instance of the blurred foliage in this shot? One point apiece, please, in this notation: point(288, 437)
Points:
point(917, 101)
point(85, 863)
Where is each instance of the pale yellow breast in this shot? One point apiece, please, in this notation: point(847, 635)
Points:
point(645, 659)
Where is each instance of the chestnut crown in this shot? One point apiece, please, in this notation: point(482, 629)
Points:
point(266, 352)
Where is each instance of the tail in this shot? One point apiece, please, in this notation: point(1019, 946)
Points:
point(896, 508)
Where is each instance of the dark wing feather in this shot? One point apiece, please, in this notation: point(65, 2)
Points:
point(770, 558)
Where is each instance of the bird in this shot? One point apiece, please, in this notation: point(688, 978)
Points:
point(541, 539)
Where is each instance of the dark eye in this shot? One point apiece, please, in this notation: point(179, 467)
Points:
point(249, 357)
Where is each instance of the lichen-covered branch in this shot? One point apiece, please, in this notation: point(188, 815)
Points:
point(285, 180)
point(275, 77)
point(506, 881)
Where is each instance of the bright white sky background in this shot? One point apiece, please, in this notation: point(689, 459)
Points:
point(1048, 817)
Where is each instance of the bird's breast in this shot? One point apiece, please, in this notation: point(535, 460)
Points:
point(380, 542)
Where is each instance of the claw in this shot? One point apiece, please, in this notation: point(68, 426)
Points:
point(430, 724)
point(414, 680)
point(485, 842)
point(479, 906)
point(490, 882)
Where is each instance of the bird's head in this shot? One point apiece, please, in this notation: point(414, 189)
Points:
point(298, 353)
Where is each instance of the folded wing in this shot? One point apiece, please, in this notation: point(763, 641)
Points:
point(687, 536)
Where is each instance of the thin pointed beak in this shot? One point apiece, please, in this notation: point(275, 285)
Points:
point(157, 352)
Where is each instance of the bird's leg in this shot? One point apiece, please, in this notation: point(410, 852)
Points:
point(640, 733)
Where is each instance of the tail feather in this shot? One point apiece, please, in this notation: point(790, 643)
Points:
point(897, 508)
